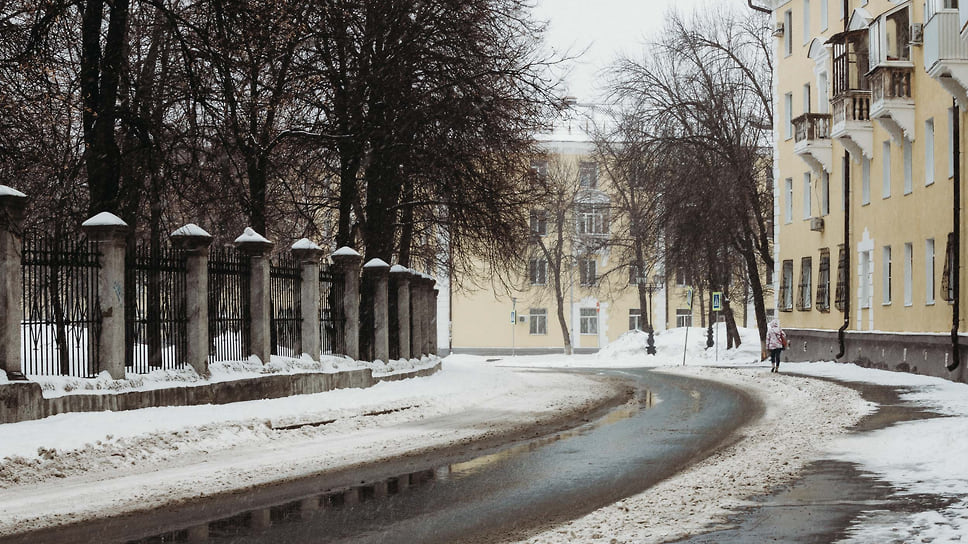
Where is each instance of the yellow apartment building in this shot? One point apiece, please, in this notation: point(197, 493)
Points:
point(869, 109)
point(600, 289)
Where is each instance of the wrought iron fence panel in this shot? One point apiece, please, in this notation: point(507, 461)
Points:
point(332, 321)
point(156, 322)
point(228, 305)
point(61, 325)
point(285, 303)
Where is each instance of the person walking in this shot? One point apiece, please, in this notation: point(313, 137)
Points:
point(775, 342)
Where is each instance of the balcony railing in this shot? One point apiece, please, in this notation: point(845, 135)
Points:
point(852, 106)
point(891, 82)
point(942, 38)
point(811, 126)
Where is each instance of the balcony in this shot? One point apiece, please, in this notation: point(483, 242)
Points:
point(892, 104)
point(945, 53)
point(852, 122)
point(812, 140)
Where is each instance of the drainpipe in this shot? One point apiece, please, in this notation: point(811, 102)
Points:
point(843, 328)
point(841, 332)
point(956, 250)
point(757, 8)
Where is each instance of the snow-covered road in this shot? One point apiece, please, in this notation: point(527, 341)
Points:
point(77, 466)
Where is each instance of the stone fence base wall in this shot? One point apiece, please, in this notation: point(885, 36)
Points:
point(927, 354)
point(24, 401)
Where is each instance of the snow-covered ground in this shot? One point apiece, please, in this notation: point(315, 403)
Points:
point(73, 466)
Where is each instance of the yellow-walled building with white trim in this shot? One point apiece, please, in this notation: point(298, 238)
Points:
point(869, 99)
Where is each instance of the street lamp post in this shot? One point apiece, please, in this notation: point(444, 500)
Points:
point(651, 288)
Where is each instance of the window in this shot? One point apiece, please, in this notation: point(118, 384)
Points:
point(908, 168)
point(887, 275)
point(635, 319)
point(538, 271)
point(538, 320)
point(788, 32)
point(805, 288)
point(806, 196)
point(806, 98)
point(823, 104)
point(636, 276)
point(823, 282)
point(929, 152)
point(592, 219)
point(587, 270)
point(588, 175)
point(865, 279)
point(886, 169)
point(589, 321)
point(539, 222)
point(929, 271)
point(824, 193)
point(866, 182)
point(841, 295)
point(786, 286)
point(788, 111)
point(683, 318)
point(908, 274)
point(948, 286)
point(680, 277)
point(540, 169)
point(806, 20)
point(788, 191)
point(823, 15)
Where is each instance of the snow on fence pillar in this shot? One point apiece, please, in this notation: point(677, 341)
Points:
point(375, 303)
point(195, 242)
point(347, 262)
point(400, 329)
point(257, 248)
point(109, 232)
point(12, 205)
point(309, 254)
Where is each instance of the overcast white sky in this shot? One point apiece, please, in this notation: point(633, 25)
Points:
point(608, 28)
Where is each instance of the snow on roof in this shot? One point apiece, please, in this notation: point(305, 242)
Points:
point(376, 263)
point(104, 219)
point(249, 235)
point(305, 243)
point(397, 269)
point(10, 191)
point(576, 122)
point(346, 251)
point(191, 229)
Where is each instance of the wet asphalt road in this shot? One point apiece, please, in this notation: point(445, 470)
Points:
point(489, 496)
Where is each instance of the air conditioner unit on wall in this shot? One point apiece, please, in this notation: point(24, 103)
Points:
point(778, 31)
point(816, 223)
point(917, 34)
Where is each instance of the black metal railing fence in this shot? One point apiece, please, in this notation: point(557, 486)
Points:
point(228, 305)
point(332, 320)
point(61, 314)
point(156, 322)
point(285, 303)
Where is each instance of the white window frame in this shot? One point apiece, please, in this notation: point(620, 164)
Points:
point(929, 152)
point(635, 319)
point(806, 21)
point(588, 174)
point(588, 272)
point(588, 321)
point(886, 279)
point(929, 271)
point(807, 210)
point(539, 222)
point(908, 274)
point(788, 32)
point(865, 284)
point(807, 102)
point(683, 318)
point(865, 185)
point(538, 271)
point(886, 169)
point(908, 167)
point(538, 321)
point(823, 15)
point(788, 115)
point(788, 205)
point(591, 219)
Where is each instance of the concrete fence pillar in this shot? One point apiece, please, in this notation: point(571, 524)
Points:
point(308, 254)
point(12, 206)
point(400, 323)
point(195, 242)
point(417, 294)
point(108, 231)
point(429, 311)
point(376, 304)
point(347, 262)
point(257, 248)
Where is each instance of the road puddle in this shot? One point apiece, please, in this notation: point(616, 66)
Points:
point(338, 503)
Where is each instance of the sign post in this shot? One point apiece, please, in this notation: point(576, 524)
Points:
point(717, 307)
point(685, 342)
point(514, 322)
